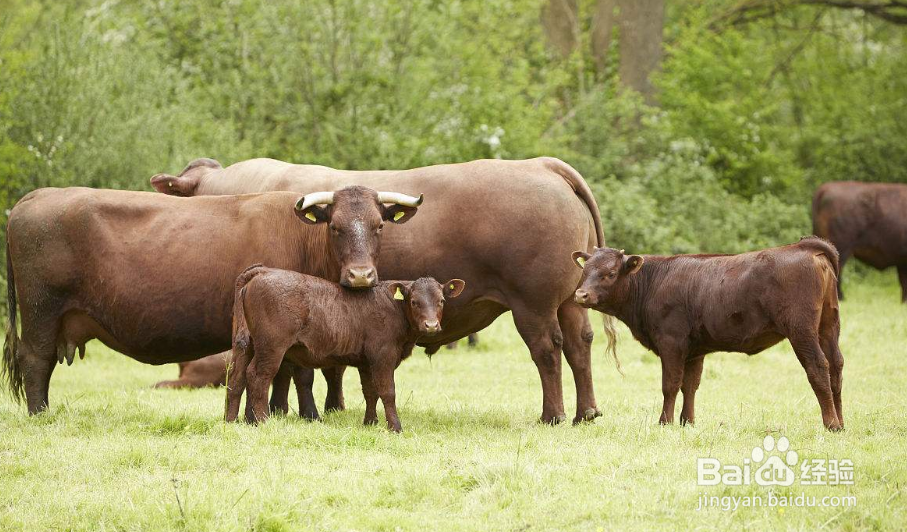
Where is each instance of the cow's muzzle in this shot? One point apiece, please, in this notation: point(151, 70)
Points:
point(360, 278)
point(431, 327)
point(582, 298)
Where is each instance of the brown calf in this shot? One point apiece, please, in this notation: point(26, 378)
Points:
point(686, 306)
point(318, 324)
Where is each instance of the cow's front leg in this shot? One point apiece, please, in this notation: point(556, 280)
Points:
point(692, 374)
point(673, 357)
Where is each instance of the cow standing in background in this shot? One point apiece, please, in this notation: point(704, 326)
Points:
point(506, 227)
point(152, 276)
point(687, 306)
point(867, 221)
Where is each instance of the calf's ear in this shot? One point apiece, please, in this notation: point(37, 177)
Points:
point(398, 214)
point(313, 214)
point(580, 258)
point(175, 185)
point(633, 264)
point(398, 290)
point(454, 287)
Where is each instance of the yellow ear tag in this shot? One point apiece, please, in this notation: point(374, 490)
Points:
point(581, 261)
point(311, 216)
point(398, 215)
point(398, 295)
point(451, 287)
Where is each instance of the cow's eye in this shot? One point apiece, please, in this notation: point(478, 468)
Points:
point(612, 275)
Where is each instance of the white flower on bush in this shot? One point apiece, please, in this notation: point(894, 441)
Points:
point(492, 137)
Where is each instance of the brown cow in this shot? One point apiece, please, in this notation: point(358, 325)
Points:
point(867, 221)
point(152, 276)
point(686, 306)
point(507, 227)
point(201, 373)
point(316, 323)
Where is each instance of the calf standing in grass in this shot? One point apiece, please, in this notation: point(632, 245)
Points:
point(318, 324)
point(686, 306)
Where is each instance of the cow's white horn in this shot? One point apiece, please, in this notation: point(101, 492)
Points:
point(400, 199)
point(315, 198)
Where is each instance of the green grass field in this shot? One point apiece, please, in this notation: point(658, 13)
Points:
point(114, 454)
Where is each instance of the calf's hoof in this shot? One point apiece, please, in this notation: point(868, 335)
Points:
point(588, 416)
point(835, 427)
point(278, 409)
point(370, 421)
point(310, 415)
point(395, 428)
point(334, 405)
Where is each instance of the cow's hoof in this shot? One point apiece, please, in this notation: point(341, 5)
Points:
point(588, 416)
point(310, 416)
point(370, 421)
point(553, 420)
point(835, 427)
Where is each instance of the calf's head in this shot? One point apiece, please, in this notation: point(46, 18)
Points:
point(355, 217)
point(607, 273)
point(423, 301)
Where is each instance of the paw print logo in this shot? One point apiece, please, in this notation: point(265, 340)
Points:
point(775, 471)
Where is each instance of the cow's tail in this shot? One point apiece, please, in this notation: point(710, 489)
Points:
point(818, 197)
point(579, 185)
point(611, 333)
point(826, 248)
point(11, 368)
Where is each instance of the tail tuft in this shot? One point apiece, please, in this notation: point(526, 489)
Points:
point(12, 371)
point(611, 333)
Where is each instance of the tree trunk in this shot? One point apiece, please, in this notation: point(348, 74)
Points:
point(559, 19)
point(602, 22)
point(641, 24)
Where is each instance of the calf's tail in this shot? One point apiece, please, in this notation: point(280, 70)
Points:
point(240, 328)
point(11, 368)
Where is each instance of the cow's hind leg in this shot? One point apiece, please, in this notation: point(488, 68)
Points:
point(577, 332)
point(37, 355)
point(236, 380)
point(814, 362)
point(692, 374)
point(304, 378)
point(542, 335)
point(334, 398)
point(829, 331)
point(902, 277)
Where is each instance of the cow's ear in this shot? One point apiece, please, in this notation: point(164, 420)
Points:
point(580, 258)
point(398, 290)
point(313, 214)
point(633, 264)
point(454, 287)
point(398, 214)
point(175, 185)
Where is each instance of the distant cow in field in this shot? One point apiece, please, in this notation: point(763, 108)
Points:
point(152, 276)
point(867, 221)
point(201, 373)
point(318, 324)
point(686, 306)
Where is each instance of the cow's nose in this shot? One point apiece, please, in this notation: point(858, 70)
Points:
point(432, 326)
point(581, 296)
point(361, 277)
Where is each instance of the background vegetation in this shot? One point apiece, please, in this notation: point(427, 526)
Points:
point(745, 108)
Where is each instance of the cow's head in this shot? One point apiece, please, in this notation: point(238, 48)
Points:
point(606, 278)
point(355, 217)
point(187, 181)
point(423, 301)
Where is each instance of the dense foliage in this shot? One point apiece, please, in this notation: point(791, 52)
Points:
point(750, 118)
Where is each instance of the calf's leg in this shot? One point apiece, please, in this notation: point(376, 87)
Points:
point(828, 340)
point(383, 379)
point(260, 373)
point(542, 335)
point(574, 323)
point(815, 364)
point(371, 396)
point(692, 374)
point(280, 403)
